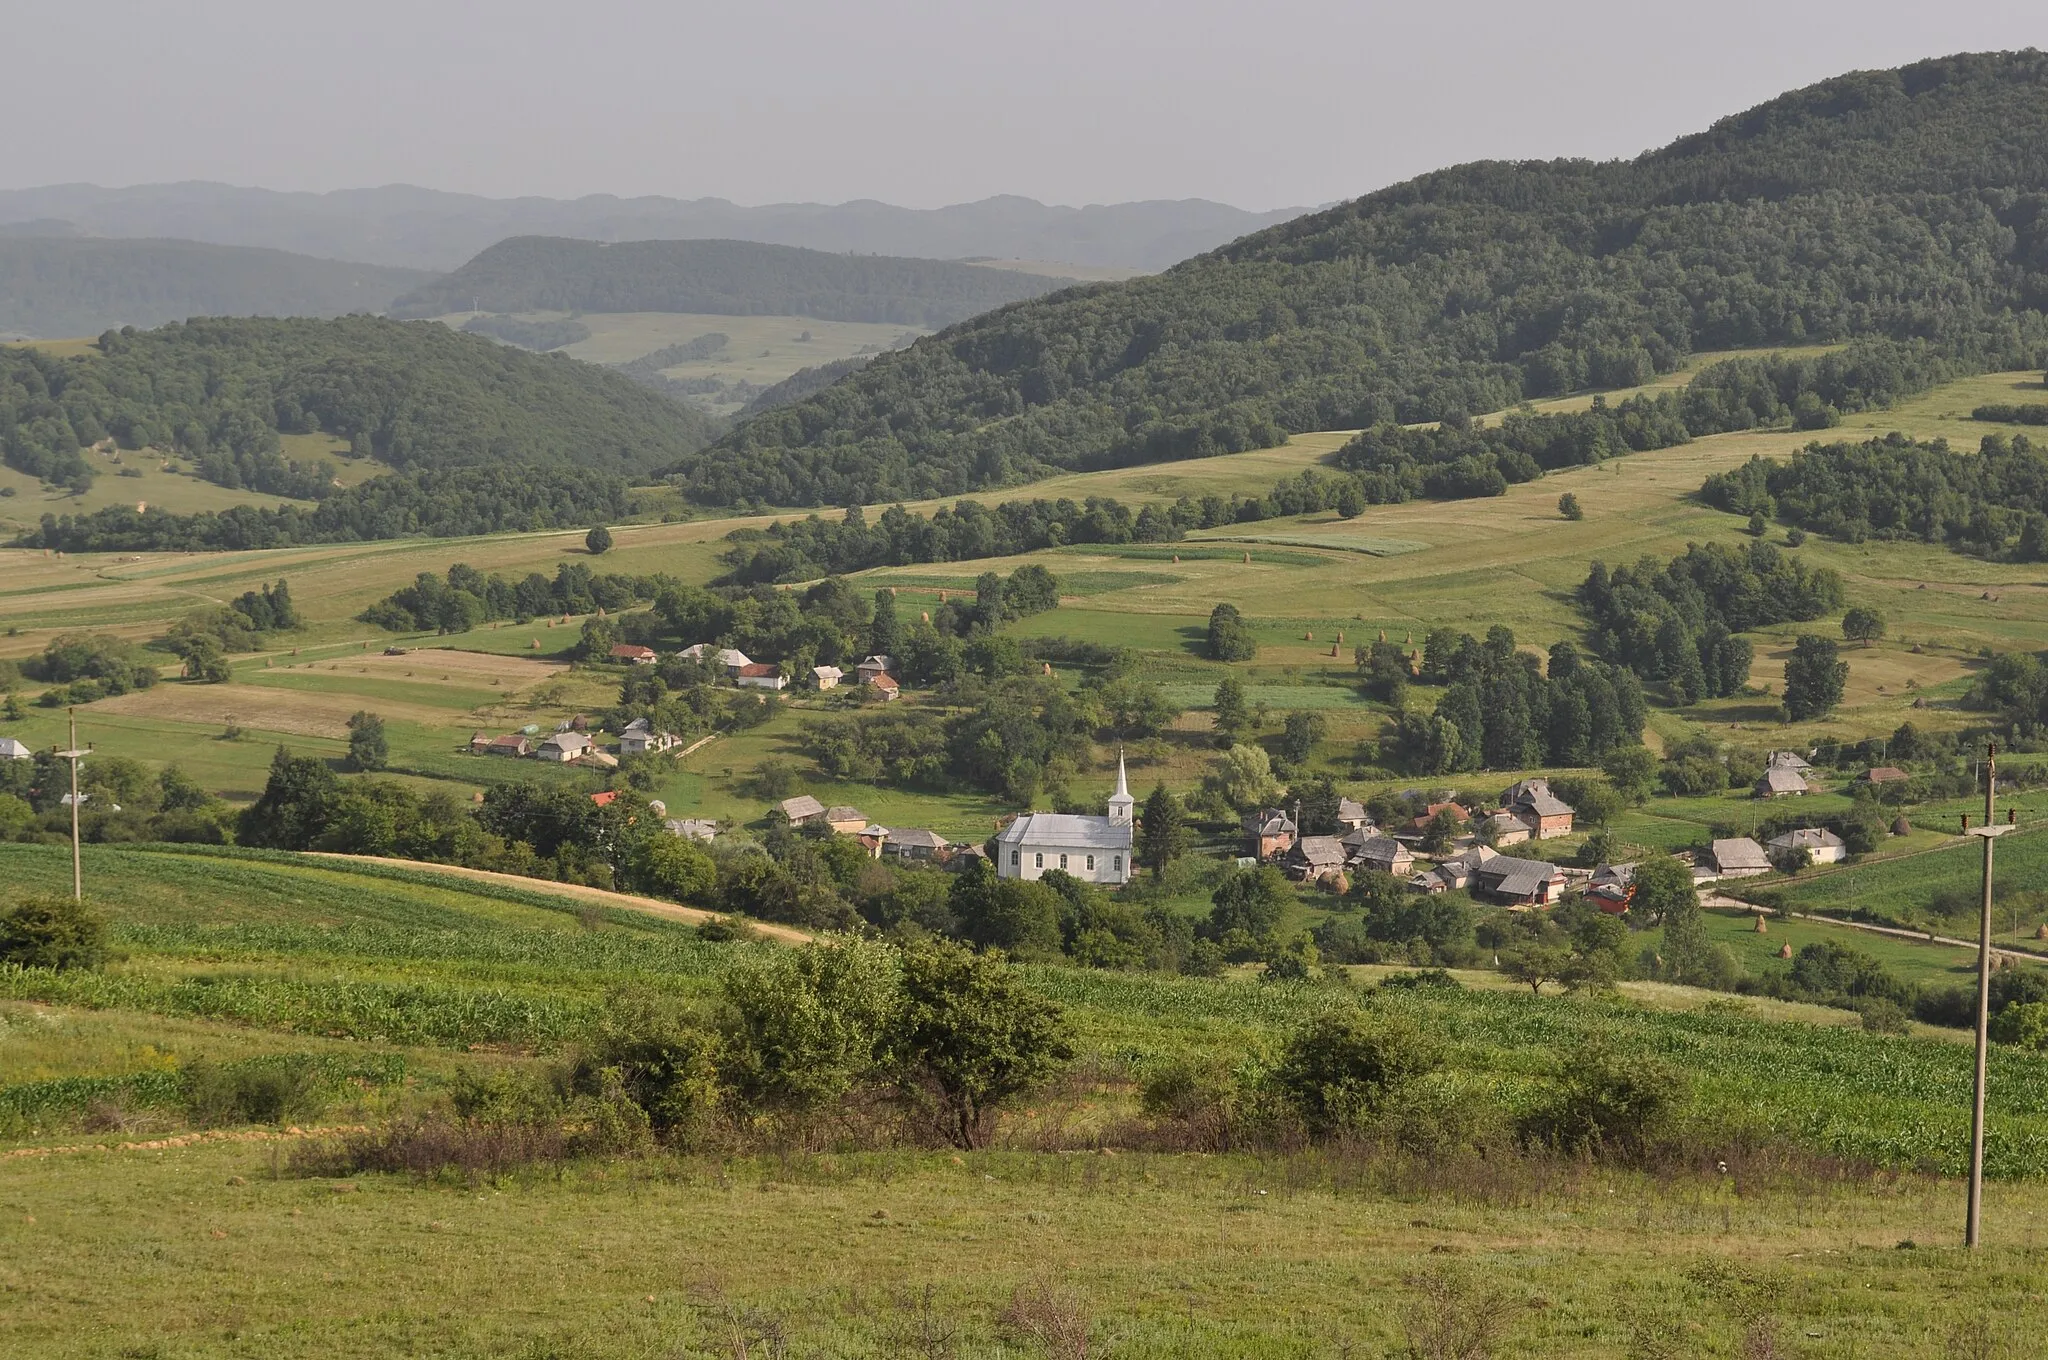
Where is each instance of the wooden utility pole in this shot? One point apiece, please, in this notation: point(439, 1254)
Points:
point(74, 755)
point(1990, 832)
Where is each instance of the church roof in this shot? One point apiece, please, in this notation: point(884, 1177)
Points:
point(1067, 831)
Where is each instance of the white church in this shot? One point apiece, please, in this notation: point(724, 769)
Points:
point(1092, 849)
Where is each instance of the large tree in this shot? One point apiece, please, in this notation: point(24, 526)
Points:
point(1814, 678)
point(1163, 832)
point(970, 1036)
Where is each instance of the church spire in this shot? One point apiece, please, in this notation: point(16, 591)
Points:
point(1121, 802)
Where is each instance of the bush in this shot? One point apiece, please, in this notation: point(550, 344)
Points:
point(1955, 1007)
point(2024, 1025)
point(261, 1091)
point(51, 932)
point(1341, 1067)
point(1606, 1103)
point(972, 1036)
point(657, 1055)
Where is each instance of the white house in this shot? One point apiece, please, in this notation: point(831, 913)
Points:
point(732, 659)
point(1823, 845)
point(640, 737)
point(1092, 849)
point(12, 749)
point(760, 675)
point(564, 747)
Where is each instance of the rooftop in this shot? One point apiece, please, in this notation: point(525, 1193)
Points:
point(1066, 830)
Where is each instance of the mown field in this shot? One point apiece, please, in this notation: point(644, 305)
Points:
point(390, 982)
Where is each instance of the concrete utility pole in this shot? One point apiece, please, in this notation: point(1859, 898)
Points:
point(1990, 832)
point(74, 755)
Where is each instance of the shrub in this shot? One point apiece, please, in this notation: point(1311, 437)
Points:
point(52, 932)
point(654, 1053)
point(1605, 1102)
point(2024, 1025)
point(261, 1091)
point(970, 1037)
point(1340, 1067)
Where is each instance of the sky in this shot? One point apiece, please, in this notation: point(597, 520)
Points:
point(1278, 103)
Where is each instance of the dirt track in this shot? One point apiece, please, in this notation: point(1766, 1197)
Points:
point(653, 906)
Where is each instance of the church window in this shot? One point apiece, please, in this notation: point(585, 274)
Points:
point(1091, 864)
point(1063, 861)
point(1040, 861)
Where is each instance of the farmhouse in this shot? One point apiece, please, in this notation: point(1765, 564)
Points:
point(1823, 845)
point(693, 828)
point(563, 747)
point(634, 653)
point(13, 749)
point(1545, 813)
point(873, 666)
point(1519, 882)
point(1787, 760)
point(1779, 782)
point(916, 843)
point(1382, 853)
point(1269, 833)
point(1351, 815)
point(511, 744)
point(639, 738)
point(732, 660)
point(801, 810)
point(1882, 774)
point(1740, 857)
point(885, 685)
point(826, 677)
point(1504, 828)
point(846, 821)
point(760, 675)
point(1453, 872)
point(1311, 857)
point(1092, 849)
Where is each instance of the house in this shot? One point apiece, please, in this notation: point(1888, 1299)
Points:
point(1352, 816)
point(872, 838)
point(1415, 826)
point(826, 677)
point(1823, 845)
point(1779, 782)
point(1613, 875)
point(634, 653)
point(760, 675)
point(699, 652)
point(639, 738)
point(872, 666)
point(916, 843)
point(1738, 858)
point(511, 744)
point(1787, 760)
point(14, 749)
point(1882, 774)
point(1311, 857)
point(564, 747)
point(1504, 828)
point(731, 660)
point(693, 828)
point(846, 821)
point(802, 810)
point(1383, 854)
point(885, 685)
point(1546, 813)
point(1453, 871)
point(1092, 849)
point(1519, 882)
point(1269, 833)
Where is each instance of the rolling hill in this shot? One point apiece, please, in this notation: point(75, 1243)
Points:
point(1909, 204)
point(721, 278)
point(71, 285)
point(417, 397)
point(427, 229)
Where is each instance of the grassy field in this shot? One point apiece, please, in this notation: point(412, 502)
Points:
point(144, 1240)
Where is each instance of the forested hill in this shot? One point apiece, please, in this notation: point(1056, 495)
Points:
point(416, 395)
point(725, 278)
point(1907, 203)
point(65, 286)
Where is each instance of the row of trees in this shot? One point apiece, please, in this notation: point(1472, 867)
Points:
point(1503, 709)
point(466, 597)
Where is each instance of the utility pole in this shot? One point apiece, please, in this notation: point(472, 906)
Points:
point(1990, 832)
point(74, 755)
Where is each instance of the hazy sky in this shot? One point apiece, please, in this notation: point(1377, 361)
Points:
point(920, 102)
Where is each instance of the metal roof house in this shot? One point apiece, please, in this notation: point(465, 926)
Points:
point(1739, 857)
point(1779, 782)
point(1519, 882)
point(1823, 845)
point(1092, 849)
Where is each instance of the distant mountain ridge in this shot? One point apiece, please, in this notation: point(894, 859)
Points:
point(69, 285)
point(415, 228)
point(723, 278)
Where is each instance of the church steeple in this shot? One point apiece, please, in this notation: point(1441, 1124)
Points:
point(1121, 802)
